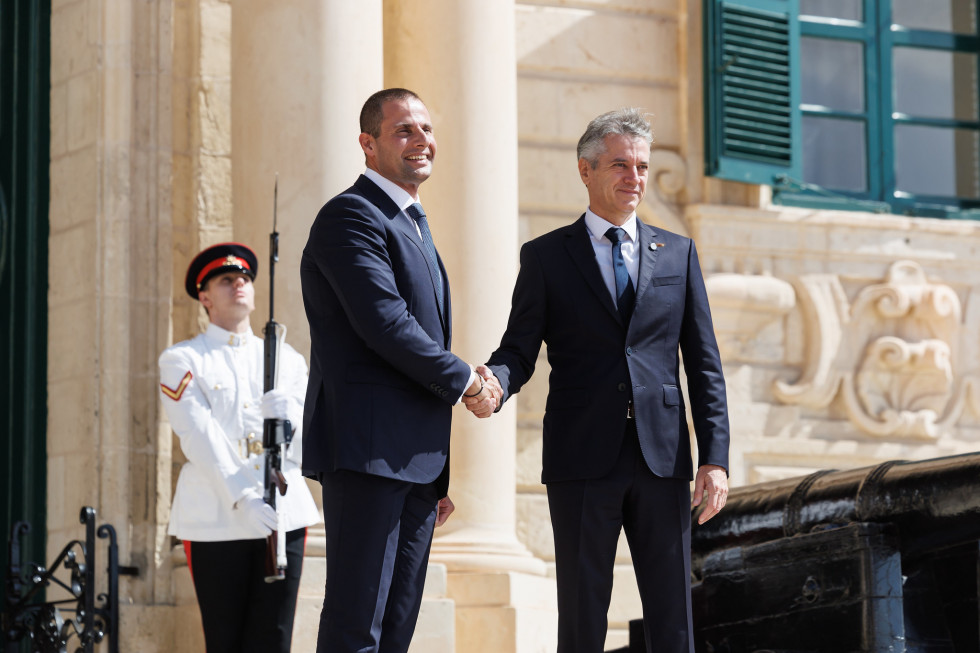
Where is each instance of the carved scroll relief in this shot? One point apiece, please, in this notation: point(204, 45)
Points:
point(891, 355)
point(667, 178)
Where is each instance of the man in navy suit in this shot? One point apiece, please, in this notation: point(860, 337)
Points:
point(616, 301)
point(382, 383)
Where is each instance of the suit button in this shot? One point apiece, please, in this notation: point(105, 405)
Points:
point(629, 351)
point(621, 387)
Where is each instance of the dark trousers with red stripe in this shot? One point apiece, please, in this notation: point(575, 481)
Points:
point(241, 612)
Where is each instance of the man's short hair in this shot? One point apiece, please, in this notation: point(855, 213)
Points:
point(372, 111)
point(628, 122)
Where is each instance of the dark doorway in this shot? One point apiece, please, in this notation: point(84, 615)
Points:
point(25, 62)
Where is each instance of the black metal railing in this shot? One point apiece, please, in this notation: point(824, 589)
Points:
point(42, 606)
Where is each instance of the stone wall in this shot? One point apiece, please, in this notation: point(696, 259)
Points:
point(109, 292)
point(847, 338)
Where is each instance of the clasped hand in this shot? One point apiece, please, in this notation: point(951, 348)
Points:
point(483, 397)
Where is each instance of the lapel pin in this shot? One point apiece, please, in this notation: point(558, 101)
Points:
point(654, 246)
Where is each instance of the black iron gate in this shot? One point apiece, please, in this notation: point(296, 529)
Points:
point(47, 609)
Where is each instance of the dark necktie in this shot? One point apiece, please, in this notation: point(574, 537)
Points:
point(625, 295)
point(417, 214)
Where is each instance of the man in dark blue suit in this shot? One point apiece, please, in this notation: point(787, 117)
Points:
point(616, 301)
point(382, 383)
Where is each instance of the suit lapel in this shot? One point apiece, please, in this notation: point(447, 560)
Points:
point(373, 193)
point(579, 245)
point(647, 256)
point(402, 222)
point(405, 224)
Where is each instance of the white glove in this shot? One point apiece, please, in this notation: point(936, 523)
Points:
point(259, 513)
point(276, 404)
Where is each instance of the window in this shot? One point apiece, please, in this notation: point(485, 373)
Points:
point(864, 104)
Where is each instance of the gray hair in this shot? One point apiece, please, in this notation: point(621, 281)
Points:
point(628, 122)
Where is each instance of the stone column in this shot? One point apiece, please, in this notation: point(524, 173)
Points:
point(465, 72)
point(301, 69)
point(201, 216)
point(108, 295)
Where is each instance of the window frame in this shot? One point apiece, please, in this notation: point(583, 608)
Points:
point(878, 37)
point(943, 42)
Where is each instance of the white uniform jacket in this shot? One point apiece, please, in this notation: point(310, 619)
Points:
point(211, 387)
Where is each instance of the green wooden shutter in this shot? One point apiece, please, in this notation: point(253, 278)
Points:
point(752, 117)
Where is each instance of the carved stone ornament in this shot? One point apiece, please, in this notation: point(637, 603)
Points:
point(667, 178)
point(890, 355)
point(743, 304)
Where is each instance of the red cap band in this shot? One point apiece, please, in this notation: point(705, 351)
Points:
point(220, 263)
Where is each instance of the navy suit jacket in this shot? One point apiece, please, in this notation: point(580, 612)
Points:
point(382, 379)
point(598, 363)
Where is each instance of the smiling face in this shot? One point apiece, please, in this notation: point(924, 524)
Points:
point(229, 299)
point(619, 180)
point(405, 147)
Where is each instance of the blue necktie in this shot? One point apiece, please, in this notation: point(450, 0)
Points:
point(417, 214)
point(625, 295)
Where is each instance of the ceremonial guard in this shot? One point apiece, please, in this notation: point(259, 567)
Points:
point(212, 390)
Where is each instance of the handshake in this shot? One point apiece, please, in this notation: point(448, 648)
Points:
point(485, 395)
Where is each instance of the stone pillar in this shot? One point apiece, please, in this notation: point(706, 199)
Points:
point(108, 295)
point(301, 69)
point(201, 216)
point(465, 72)
point(466, 75)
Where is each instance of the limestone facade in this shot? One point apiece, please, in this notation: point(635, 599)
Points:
point(847, 338)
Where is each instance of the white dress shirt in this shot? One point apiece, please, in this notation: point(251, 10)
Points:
point(603, 249)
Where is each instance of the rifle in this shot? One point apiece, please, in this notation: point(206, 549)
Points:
point(276, 433)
